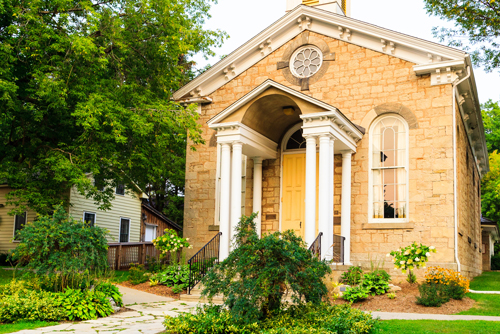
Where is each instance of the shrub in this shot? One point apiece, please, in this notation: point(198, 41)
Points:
point(110, 291)
point(61, 244)
point(352, 276)
point(376, 282)
point(391, 295)
point(495, 262)
point(259, 272)
point(29, 305)
point(137, 274)
point(173, 275)
point(170, 242)
point(411, 278)
point(411, 257)
point(432, 295)
point(84, 305)
point(438, 275)
point(356, 294)
point(297, 319)
point(456, 291)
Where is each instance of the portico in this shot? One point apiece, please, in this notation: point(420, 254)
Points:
point(307, 205)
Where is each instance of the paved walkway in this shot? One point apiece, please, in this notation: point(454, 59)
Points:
point(485, 292)
point(147, 315)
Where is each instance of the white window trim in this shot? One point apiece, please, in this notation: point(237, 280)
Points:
point(370, 173)
point(217, 186)
point(120, 229)
point(14, 227)
point(95, 216)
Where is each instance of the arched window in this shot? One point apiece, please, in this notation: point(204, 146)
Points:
point(389, 170)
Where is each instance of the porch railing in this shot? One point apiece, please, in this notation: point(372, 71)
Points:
point(316, 246)
point(204, 260)
point(122, 255)
point(338, 249)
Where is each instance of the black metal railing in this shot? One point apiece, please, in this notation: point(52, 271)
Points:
point(204, 260)
point(338, 249)
point(316, 246)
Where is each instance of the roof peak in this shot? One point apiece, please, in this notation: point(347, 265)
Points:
point(341, 7)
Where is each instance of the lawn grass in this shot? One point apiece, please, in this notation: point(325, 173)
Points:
point(120, 276)
point(486, 305)
point(9, 328)
point(488, 281)
point(434, 326)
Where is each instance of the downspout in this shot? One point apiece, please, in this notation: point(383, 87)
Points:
point(455, 201)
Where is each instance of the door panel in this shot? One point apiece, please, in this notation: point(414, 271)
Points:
point(294, 190)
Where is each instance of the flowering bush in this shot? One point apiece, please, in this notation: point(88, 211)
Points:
point(170, 242)
point(438, 275)
point(411, 257)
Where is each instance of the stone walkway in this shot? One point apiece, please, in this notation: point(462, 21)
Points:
point(147, 315)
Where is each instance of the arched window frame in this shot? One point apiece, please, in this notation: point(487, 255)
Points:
point(371, 219)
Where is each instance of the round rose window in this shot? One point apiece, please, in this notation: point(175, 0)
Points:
point(306, 61)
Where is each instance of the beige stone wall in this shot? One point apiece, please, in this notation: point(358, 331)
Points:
point(357, 82)
point(485, 247)
point(469, 205)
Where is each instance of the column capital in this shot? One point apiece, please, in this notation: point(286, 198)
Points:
point(310, 136)
point(347, 153)
point(257, 160)
point(328, 136)
point(237, 143)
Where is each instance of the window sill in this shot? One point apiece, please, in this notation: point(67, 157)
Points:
point(213, 228)
point(388, 226)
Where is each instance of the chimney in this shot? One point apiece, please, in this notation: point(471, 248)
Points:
point(342, 7)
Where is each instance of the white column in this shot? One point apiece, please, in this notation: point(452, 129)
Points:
point(331, 189)
point(257, 192)
point(345, 229)
point(310, 214)
point(323, 195)
point(236, 187)
point(225, 197)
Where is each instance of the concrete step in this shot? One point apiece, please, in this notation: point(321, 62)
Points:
point(195, 296)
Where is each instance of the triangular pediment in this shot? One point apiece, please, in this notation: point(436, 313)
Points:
point(415, 50)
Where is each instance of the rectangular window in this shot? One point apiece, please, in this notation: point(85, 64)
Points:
point(99, 183)
point(120, 189)
point(19, 222)
point(89, 218)
point(124, 230)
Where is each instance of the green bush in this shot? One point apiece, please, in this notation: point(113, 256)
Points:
point(137, 274)
point(356, 294)
point(60, 244)
point(495, 262)
point(296, 319)
point(29, 305)
point(259, 272)
point(376, 282)
point(84, 305)
point(173, 275)
point(111, 291)
point(455, 291)
point(432, 294)
point(352, 276)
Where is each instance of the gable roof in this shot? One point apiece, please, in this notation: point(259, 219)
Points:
point(337, 26)
point(161, 216)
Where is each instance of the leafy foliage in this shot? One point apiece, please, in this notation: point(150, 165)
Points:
point(477, 27)
point(110, 290)
point(352, 276)
point(432, 294)
point(412, 256)
point(173, 276)
point(309, 318)
point(30, 305)
point(376, 282)
point(438, 275)
point(85, 87)
point(259, 272)
point(137, 274)
point(356, 294)
point(170, 242)
point(61, 244)
point(84, 305)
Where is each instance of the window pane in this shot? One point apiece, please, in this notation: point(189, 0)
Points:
point(124, 230)
point(120, 189)
point(389, 210)
point(401, 210)
point(296, 141)
point(20, 220)
point(377, 177)
point(378, 210)
point(89, 218)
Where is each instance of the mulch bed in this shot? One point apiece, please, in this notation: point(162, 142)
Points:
point(160, 290)
point(405, 302)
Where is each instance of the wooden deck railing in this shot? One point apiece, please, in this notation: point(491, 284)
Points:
point(122, 255)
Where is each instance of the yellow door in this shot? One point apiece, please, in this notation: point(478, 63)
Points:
point(294, 192)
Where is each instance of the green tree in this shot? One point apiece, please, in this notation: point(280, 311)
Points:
point(86, 86)
point(476, 27)
point(490, 189)
point(491, 119)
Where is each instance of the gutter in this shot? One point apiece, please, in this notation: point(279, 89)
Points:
point(455, 201)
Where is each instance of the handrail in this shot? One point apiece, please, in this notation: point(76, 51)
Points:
point(204, 260)
point(316, 246)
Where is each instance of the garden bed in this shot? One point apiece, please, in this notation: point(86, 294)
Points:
point(405, 302)
point(160, 290)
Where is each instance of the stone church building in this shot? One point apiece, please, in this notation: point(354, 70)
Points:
point(326, 124)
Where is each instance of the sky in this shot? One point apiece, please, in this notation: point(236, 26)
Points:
point(243, 19)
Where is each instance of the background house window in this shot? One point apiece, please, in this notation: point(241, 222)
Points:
point(19, 222)
point(89, 218)
point(149, 233)
point(124, 230)
point(99, 183)
point(389, 168)
point(120, 189)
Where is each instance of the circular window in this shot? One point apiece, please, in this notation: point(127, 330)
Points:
point(306, 61)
